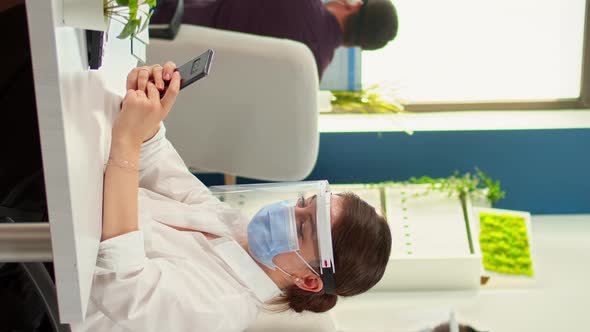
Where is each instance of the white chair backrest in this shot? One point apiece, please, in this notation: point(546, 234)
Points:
point(256, 115)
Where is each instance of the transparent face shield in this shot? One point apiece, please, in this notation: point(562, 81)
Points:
point(271, 206)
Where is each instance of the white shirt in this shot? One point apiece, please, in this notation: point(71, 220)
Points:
point(163, 279)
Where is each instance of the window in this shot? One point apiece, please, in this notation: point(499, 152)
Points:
point(486, 55)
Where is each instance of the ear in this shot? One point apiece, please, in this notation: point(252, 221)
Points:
point(310, 283)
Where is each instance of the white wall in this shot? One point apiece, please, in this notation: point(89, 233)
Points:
point(558, 299)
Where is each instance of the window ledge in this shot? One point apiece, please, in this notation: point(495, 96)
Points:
point(455, 121)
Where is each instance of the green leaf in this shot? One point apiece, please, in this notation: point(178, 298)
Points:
point(462, 184)
point(133, 5)
point(123, 2)
point(129, 29)
point(133, 12)
point(151, 3)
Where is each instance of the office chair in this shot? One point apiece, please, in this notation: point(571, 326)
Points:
point(255, 115)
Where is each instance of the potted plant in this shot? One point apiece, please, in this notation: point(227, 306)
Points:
point(131, 13)
point(95, 14)
point(370, 100)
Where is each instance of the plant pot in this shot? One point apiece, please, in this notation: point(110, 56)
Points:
point(95, 42)
point(85, 14)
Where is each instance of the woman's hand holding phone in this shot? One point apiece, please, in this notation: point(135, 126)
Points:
point(151, 92)
point(142, 109)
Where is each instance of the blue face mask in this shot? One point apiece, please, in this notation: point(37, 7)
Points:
point(273, 231)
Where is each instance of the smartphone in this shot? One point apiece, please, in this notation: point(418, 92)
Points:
point(193, 70)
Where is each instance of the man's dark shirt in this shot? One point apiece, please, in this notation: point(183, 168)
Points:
point(306, 21)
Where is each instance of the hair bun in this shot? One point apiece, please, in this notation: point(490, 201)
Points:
point(300, 300)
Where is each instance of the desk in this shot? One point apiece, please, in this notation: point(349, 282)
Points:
point(76, 108)
point(557, 299)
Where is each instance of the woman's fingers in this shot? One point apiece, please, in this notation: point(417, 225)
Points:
point(169, 68)
point(157, 76)
point(132, 79)
point(143, 77)
point(153, 93)
point(172, 91)
point(140, 76)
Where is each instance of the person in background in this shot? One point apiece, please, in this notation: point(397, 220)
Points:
point(323, 27)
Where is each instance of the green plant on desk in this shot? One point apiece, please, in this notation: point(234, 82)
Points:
point(363, 101)
point(463, 185)
point(504, 243)
point(129, 12)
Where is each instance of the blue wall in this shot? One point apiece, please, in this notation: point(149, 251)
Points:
point(542, 171)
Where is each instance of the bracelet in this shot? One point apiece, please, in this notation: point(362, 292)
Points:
point(124, 164)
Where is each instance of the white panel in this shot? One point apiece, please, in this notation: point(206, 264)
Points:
point(431, 225)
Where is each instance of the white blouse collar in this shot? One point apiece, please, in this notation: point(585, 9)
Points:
point(245, 268)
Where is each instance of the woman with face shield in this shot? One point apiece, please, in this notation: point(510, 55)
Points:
point(174, 256)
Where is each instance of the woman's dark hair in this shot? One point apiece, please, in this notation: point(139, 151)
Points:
point(362, 244)
point(373, 26)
